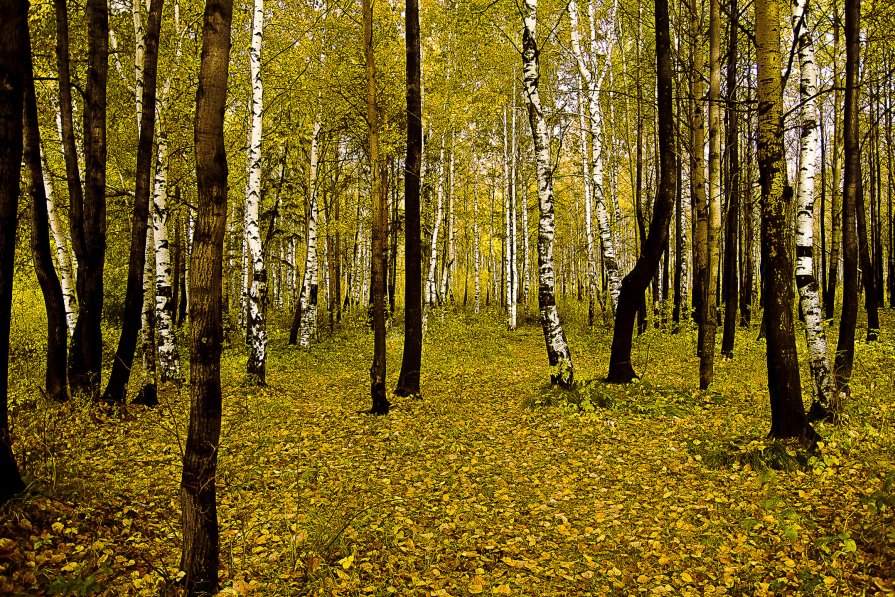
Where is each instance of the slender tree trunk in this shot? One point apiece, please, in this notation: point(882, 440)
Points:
point(197, 488)
point(148, 393)
point(63, 256)
point(88, 215)
point(558, 354)
point(697, 174)
point(431, 289)
point(257, 286)
point(748, 248)
point(14, 56)
point(731, 277)
point(411, 362)
point(709, 321)
point(57, 327)
point(310, 284)
point(837, 206)
point(787, 411)
point(164, 296)
point(378, 247)
point(116, 389)
point(866, 261)
point(809, 292)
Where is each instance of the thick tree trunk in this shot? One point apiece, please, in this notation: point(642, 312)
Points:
point(731, 274)
point(809, 291)
point(57, 327)
point(133, 300)
point(787, 411)
point(198, 502)
point(411, 362)
point(14, 50)
point(558, 354)
point(635, 283)
point(163, 290)
point(257, 287)
point(378, 246)
point(88, 217)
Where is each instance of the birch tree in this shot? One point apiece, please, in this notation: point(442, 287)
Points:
point(558, 353)
point(257, 287)
point(63, 253)
point(310, 284)
point(163, 291)
point(591, 87)
point(809, 291)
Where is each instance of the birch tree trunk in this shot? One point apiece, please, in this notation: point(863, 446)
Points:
point(591, 86)
point(63, 254)
point(588, 203)
point(784, 386)
point(257, 289)
point(809, 291)
point(508, 217)
point(148, 393)
point(476, 241)
point(526, 257)
point(431, 288)
point(310, 284)
point(558, 354)
point(164, 292)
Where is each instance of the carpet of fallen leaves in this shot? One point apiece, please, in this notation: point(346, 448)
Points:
point(491, 484)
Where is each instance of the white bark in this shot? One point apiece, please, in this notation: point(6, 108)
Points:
point(526, 258)
point(431, 289)
point(591, 86)
point(449, 258)
point(508, 257)
point(476, 249)
point(588, 203)
point(164, 293)
point(139, 57)
point(148, 313)
point(558, 353)
point(257, 286)
point(309, 283)
point(63, 251)
point(809, 148)
point(514, 246)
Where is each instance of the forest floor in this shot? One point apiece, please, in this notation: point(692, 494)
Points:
point(491, 484)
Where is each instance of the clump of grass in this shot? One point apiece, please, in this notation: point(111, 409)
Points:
point(758, 455)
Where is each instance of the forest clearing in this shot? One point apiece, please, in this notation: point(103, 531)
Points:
point(492, 483)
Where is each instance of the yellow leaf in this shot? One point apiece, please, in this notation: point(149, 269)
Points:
point(686, 577)
point(476, 586)
point(347, 561)
point(643, 579)
point(502, 590)
point(57, 527)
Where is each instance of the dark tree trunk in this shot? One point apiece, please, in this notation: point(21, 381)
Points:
point(867, 275)
point(57, 327)
point(747, 246)
point(197, 488)
point(88, 220)
point(679, 247)
point(411, 363)
point(729, 282)
point(638, 206)
point(788, 417)
point(837, 201)
point(379, 223)
point(635, 283)
point(13, 56)
point(116, 389)
point(177, 269)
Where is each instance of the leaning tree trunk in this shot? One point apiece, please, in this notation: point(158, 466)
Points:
point(378, 246)
point(809, 291)
point(169, 360)
point(133, 300)
point(199, 559)
point(14, 50)
point(561, 370)
point(88, 216)
point(63, 256)
point(636, 282)
point(309, 287)
point(257, 287)
point(411, 362)
point(69, 152)
point(57, 327)
point(787, 411)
